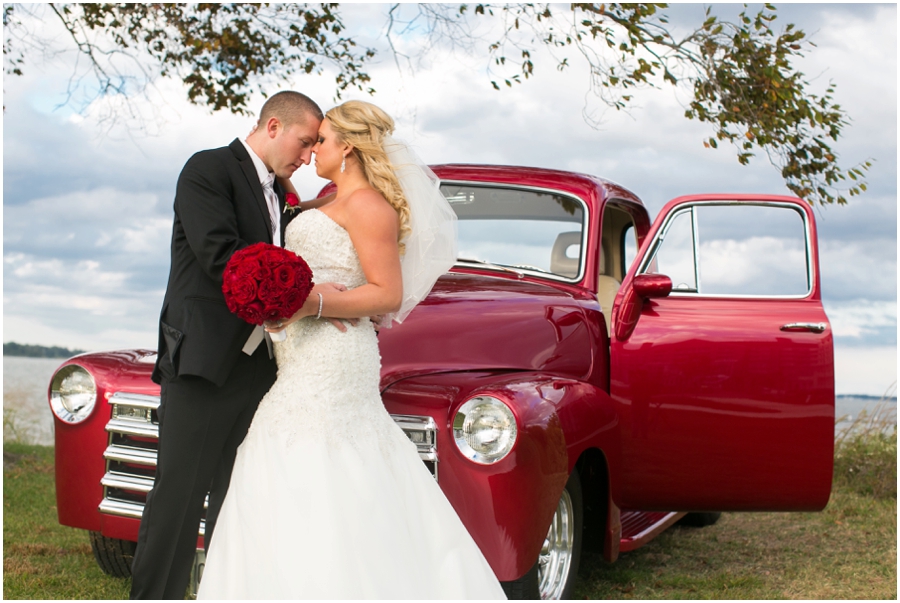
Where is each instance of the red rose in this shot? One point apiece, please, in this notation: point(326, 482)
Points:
point(244, 290)
point(269, 292)
point(247, 268)
point(274, 256)
point(294, 298)
point(265, 272)
point(291, 200)
point(285, 275)
point(254, 313)
point(273, 312)
point(252, 251)
point(228, 279)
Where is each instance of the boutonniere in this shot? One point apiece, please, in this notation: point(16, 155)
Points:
point(291, 203)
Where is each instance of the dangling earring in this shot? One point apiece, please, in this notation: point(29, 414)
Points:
point(343, 164)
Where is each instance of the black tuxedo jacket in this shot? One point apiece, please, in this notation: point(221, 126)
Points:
point(219, 209)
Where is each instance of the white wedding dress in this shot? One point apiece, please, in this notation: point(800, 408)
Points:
point(328, 498)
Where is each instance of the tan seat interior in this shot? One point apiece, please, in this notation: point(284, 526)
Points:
point(611, 262)
point(560, 263)
point(607, 287)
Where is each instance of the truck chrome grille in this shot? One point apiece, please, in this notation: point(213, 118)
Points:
point(130, 454)
point(422, 431)
point(133, 442)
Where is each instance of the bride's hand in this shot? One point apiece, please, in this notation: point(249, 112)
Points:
point(336, 288)
point(287, 185)
point(311, 308)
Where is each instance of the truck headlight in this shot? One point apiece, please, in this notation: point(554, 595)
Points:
point(73, 394)
point(484, 429)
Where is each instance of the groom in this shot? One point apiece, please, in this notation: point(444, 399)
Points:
point(213, 368)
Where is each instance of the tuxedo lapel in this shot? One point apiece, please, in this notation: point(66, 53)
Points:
point(249, 170)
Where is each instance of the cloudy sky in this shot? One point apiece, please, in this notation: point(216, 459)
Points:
point(87, 206)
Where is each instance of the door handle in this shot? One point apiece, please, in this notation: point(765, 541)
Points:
point(813, 327)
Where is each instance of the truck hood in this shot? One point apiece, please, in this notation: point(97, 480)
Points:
point(479, 322)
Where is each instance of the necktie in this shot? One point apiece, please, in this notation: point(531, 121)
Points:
point(259, 334)
point(272, 202)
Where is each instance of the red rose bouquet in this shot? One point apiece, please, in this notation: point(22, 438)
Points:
point(264, 282)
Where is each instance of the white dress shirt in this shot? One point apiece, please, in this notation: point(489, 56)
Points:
point(267, 180)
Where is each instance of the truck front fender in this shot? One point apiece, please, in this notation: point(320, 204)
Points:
point(507, 506)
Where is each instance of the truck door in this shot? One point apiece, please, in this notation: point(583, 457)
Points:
point(721, 361)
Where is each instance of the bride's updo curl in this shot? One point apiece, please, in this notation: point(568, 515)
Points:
point(364, 126)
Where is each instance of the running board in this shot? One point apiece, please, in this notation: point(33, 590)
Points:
point(640, 527)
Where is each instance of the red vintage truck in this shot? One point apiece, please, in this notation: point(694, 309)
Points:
point(581, 379)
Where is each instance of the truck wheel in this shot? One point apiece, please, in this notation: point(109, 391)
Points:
point(699, 520)
point(525, 588)
point(113, 555)
point(553, 576)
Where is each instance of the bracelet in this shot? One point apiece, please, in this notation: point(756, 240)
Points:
point(319, 314)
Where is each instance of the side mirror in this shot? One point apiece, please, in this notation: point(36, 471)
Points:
point(650, 286)
point(643, 287)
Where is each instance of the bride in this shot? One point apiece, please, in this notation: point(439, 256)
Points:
point(328, 499)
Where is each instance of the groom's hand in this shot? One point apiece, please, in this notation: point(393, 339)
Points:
point(378, 321)
point(337, 322)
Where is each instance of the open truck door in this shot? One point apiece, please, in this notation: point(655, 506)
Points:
point(721, 361)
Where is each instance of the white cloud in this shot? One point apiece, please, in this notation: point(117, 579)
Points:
point(120, 224)
point(759, 266)
point(859, 269)
point(860, 317)
point(870, 371)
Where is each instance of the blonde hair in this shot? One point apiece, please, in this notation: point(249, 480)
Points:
point(364, 126)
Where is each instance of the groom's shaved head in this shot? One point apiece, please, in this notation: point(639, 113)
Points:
point(290, 107)
point(287, 131)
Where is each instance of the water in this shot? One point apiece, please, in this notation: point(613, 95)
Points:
point(26, 413)
point(27, 416)
point(848, 408)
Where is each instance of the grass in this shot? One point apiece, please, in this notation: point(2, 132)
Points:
point(16, 427)
point(42, 559)
point(848, 551)
point(865, 459)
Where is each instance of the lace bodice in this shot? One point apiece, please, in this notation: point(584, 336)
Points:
point(326, 247)
point(328, 381)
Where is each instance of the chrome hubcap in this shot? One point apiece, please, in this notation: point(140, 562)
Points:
point(555, 561)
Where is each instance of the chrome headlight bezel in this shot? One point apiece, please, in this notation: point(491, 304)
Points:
point(478, 415)
point(73, 394)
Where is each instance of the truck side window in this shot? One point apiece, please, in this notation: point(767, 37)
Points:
point(755, 249)
point(752, 250)
point(674, 255)
point(629, 247)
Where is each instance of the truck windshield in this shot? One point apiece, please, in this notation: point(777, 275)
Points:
point(533, 231)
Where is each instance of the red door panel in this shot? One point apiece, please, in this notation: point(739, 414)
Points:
point(720, 407)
